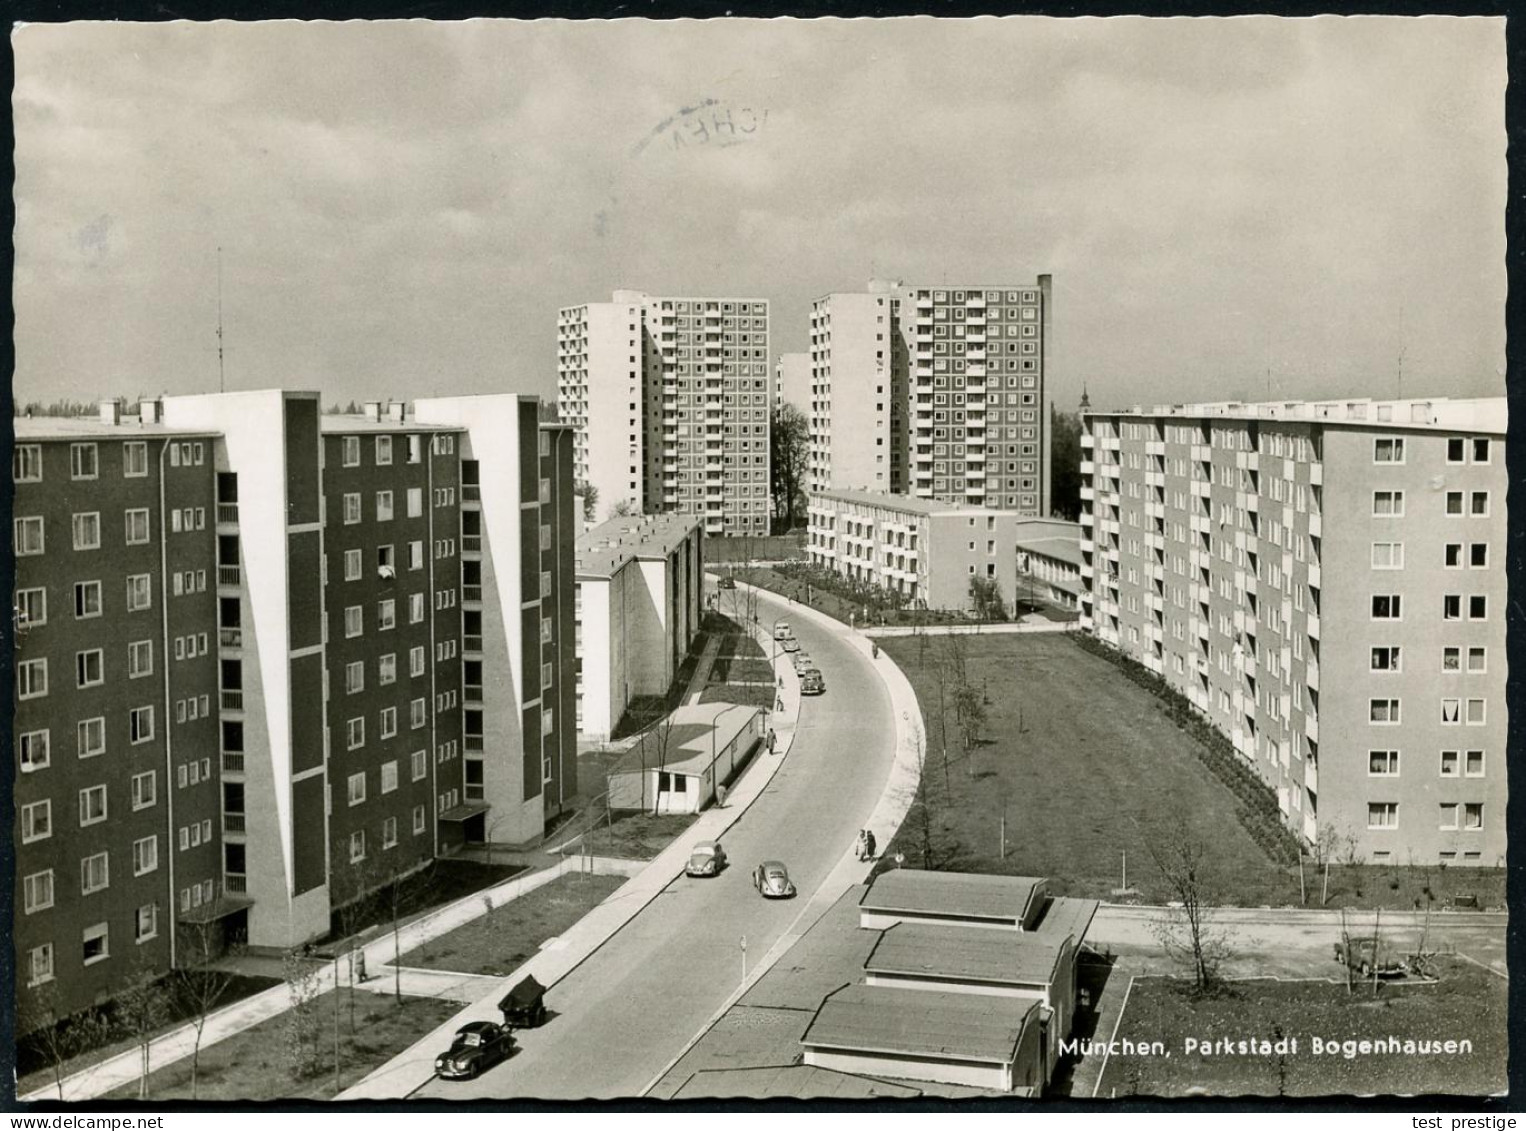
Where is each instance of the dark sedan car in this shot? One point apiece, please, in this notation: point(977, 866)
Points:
point(478, 1046)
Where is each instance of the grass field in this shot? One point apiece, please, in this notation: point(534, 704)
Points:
point(253, 1065)
point(1466, 1004)
point(503, 939)
point(1081, 760)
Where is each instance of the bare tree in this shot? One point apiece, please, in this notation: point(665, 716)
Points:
point(1189, 931)
point(58, 1037)
point(142, 1009)
point(200, 987)
point(625, 508)
point(402, 887)
point(302, 1020)
point(590, 496)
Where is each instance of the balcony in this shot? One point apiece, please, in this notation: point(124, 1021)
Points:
point(235, 883)
point(471, 594)
point(1313, 625)
point(471, 693)
point(230, 637)
point(233, 699)
point(1316, 474)
point(1311, 775)
point(1311, 726)
point(1316, 575)
point(471, 493)
point(233, 823)
point(471, 642)
point(472, 743)
point(233, 762)
point(230, 575)
point(1088, 440)
point(1311, 675)
point(227, 514)
point(1316, 526)
point(471, 543)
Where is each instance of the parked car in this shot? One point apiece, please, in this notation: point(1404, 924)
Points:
point(727, 583)
point(782, 630)
point(811, 683)
point(803, 663)
point(1362, 954)
point(708, 858)
point(524, 1007)
point(478, 1046)
point(771, 878)
point(790, 644)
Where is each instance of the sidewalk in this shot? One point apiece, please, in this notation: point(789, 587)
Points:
point(413, 1068)
point(1033, 623)
point(702, 668)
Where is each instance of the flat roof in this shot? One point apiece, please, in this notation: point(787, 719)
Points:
point(94, 428)
point(687, 746)
point(329, 423)
point(1061, 549)
point(966, 894)
point(932, 1023)
point(1471, 414)
point(909, 504)
point(605, 549)
point(1066, 917)
point(972, 953)
point(786, 1081)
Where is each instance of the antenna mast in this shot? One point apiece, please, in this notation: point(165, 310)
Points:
point(222, 385)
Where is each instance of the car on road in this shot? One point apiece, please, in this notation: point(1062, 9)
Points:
point(726, 583)
point(811, 683)
point(782, 630)
point(707, 858)
point(771, 878)
point(478, 1045)
point(790, 644)
point(803, 663)
point(1363, 954)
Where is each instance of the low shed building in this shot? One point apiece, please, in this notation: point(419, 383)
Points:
point(956, 899)
point(678, 764)
point(953, 1038)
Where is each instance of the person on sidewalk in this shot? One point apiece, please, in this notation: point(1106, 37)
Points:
point(868, 844)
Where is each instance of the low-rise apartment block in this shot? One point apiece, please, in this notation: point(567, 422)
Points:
point(1049, 561)
point(928, 551)
point(269, 661)
point(1325, 582)
point(639, 601)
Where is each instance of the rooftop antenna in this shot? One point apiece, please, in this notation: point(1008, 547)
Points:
point(222, 384)
point(1401, 350)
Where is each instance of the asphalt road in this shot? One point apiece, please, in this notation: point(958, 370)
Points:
point(619, 1018)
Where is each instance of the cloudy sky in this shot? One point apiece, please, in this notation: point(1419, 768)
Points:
point(402, 207)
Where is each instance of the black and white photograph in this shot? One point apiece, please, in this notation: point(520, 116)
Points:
point(709, 562)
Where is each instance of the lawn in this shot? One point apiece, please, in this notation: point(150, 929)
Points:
point(637, 836)
point(1082, 762)
point(1466, 1004)
point(254, 1064)
point(503, 939)
point(444, 882)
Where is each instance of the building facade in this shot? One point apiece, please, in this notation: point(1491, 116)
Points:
point(639, 602)
point(1324, 581)
point(1049, 561)
point(858, 381)
point(792, 382)
point(670, 400)
point(277, 666)
point(930, 552)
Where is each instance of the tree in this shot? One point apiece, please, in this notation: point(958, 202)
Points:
point(970, 713)
point(57, 1037)
point(302, 1020)
point(985, 596)
point(625, 508)
point(930, 838)
point(142, 1008)
point(403, 887)
point(200, 987)
point(790, 447)
point(1189, 932)
point(1064, 463)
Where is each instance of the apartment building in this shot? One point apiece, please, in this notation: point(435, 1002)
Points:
point(1049, 561)
point(670, 399)
point(858, 384)
point(927, 550)
point(792, 382)
point(1325, 582)
point(272, 623)
point(640, 599)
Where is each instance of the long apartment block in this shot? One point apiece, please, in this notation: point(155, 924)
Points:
point(1325, 582)
point(670, 400)
point(934, 392)
point(267, 660)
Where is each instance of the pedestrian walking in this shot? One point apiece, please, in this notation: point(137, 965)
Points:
point(858, 848)
point(868, 844)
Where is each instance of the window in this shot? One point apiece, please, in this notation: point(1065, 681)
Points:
point(1451, 606)
point(1448, 818)
point(84, 461)
point(1475, 764)
point(357, 788)
point(1451, 711)
point(351, 451)
point(145, 855)
point(352, 508)
point(94, 873)
point(87, 530)
point(34, 751)
point(1388, 449)
point(1478, 660)
point(1478, 607)
point(141, 724)
point(1383, 710)
point(357, 846)
point(545, 676)
point(31, 679)
point(1451, 659)
point(144, 789)
point(354, 677)
point(36, 821)
point(418, 820)
point(1449, 764)
point(388, 722)
point(87, 599)
point(1480, 449)
point(415, 555)
point(40, 964)
point(134, 459)
point(31, 607)
point(384, 506)
point(92, 805)
point(389, 833)
point(28, 536)
point(1478, 555)
point(139, 594)
point(417, 716)
point(383, 450)
point(352, 565)
point(1382, 814)
point(420, 763)
point(354, 621)
point(1478, 504)
point(38, 891)
point(1388, 504)
point(386, 669)
point(137, 527)
point(1454, 503)
point(1475, 712)
point(415, 608)
point(415, 502)
point(415, 448)
point(1386, 606)
point(1385, 659)
point(26, 463)
point(386, 614)
point(147, 922)
point(1472, 816)
point(355, 734)
point(1388, 555)
point(94, 944)
point(89, 668)
point(416, 661)
point(140, 659)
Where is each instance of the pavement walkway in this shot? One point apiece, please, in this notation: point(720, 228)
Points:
point(702, 668)
point(1028, 624)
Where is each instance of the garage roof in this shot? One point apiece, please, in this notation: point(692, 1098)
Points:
point(931, 1023)
point(912, 891)
point(971, 953)
point(1066, 918)
point(796, 1081)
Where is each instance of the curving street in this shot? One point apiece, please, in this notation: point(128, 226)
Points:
point(620, 1017)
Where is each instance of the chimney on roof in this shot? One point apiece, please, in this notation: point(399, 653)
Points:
point(111, 410)
point(373, 410)
point(150, 411)
point(397, 411)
